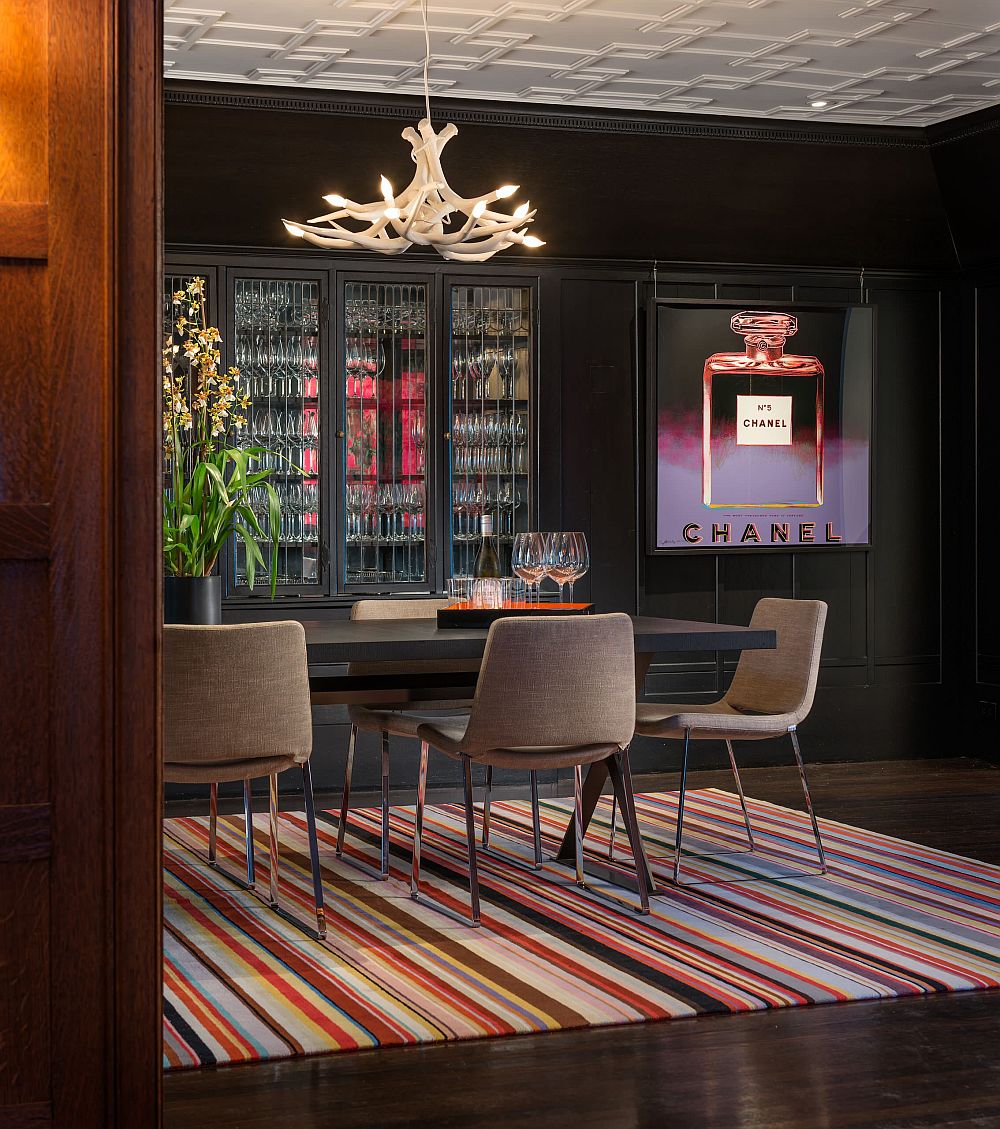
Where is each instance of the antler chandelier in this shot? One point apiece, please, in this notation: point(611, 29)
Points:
point(428, 212)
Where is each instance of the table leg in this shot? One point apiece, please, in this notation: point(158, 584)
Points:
point(597, 774)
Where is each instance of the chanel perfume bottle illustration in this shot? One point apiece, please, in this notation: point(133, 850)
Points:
point(763, 419)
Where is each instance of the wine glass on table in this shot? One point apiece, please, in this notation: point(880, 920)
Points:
point(528, 559)
point(560, 560)
point(581, 558)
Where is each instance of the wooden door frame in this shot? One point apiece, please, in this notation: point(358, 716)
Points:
point(137, 1049)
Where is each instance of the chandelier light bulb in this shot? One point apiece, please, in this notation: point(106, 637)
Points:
point(428, 212)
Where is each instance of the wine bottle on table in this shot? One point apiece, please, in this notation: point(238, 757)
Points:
point(487, 564)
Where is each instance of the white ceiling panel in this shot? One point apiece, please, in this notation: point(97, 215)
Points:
point(873, 61)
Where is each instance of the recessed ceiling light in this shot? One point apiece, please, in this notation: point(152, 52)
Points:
point(818, 105)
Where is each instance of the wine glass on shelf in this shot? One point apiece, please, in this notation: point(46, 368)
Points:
point(528, 559)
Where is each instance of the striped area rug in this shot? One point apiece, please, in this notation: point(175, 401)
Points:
point(890, 919)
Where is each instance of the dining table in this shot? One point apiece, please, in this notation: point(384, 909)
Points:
point(333, 643)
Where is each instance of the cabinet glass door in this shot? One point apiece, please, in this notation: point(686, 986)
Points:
point(490, 386)
point(277, 348)
point(385, 432)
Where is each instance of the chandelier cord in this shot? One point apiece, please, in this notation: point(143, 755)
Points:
point(427, 61)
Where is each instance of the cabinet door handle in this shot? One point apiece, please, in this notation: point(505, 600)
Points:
point(340, 435)
point(446, 435)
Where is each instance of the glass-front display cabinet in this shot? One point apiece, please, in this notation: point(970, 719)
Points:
point(384, 487)
point(397, 409)
point(277, 344)
point(490, 418)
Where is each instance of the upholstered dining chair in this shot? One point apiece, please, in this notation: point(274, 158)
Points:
point(236, 707)
point(552, 693)
point(770, 696)
point(392, 715)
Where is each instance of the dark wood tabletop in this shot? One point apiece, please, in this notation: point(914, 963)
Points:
point(395, 640)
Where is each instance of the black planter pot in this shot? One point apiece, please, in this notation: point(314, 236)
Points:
point(192, 599)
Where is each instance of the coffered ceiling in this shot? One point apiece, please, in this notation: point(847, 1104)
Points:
point(880, 62)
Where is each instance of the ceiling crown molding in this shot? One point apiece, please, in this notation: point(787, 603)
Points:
point(478, 112)
point(970, 125)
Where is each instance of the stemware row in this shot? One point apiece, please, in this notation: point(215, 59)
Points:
point(385, 512)
point(562, 557)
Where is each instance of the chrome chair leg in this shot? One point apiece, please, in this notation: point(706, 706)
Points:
point(578, 824)
point(739, 791)
point(317, 874)
point(809, 807)
point(536, 820)
point(273, 835)
point(486, 805)
point(680, 807)
point(346, 794)
point(418, 826)
point(613, 833)
point(213, 822)
point(248, 832)
point(470, 832)
point(384, 857)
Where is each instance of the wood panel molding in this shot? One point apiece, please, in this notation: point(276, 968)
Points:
point(24, 532)
point(24, 231)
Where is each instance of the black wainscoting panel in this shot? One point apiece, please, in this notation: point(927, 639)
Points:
point(746, 578)
point(681, 587)
point(840, 580)
point(987, 521)
point(907, 500)
point(598, 427)
point(746, 292)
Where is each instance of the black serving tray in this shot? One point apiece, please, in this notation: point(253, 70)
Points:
point(463, 614)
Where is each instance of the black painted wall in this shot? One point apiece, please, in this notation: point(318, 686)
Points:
point(794, 214)
point(966, 156)
point(679, 190)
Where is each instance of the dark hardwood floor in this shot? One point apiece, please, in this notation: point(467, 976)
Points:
point(893, 1064)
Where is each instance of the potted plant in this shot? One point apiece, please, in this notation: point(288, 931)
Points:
point(209, 474)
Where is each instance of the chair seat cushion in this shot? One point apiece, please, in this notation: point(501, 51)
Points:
point(717, 721)
point(397, 722)
point(446, 734)
point(205, 772)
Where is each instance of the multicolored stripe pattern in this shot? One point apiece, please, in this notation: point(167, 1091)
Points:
point(891, 918)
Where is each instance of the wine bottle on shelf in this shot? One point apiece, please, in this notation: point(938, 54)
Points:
point(487, 562)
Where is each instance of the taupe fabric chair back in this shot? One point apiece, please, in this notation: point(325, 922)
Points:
point(397, 609)
point(567, 681)
point(406, 609)
point(781, 681)
point(235, 693)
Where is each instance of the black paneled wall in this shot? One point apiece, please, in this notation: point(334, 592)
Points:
point(677, 189)
point(810, 207)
